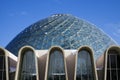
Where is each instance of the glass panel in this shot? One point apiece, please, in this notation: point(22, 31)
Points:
point(113, 65)
point(118, 59)
point(113, 61)
point(56, 67)
point(108, 63)
point(119, 74)
point(2, 66)
point(118, 66)
point(28, 69)
point(114, 75)
point(108, 75)
point(84, 66)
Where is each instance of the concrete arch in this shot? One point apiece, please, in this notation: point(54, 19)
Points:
point(19, 64)
point(5, 54)
point(48, 56)
point(90, 50)
point(114, 47)
point(10, 62)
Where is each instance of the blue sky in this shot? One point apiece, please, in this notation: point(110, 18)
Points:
point(16, 15)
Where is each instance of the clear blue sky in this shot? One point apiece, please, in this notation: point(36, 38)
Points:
point(16, 15)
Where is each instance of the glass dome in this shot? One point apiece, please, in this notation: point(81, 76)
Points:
point(63, 30)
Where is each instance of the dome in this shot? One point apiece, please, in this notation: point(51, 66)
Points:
point(63, 30)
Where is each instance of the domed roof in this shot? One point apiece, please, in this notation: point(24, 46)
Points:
point(62, 30)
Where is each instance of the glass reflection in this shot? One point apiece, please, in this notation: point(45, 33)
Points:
point(56, 67)
point(28, 69)
point(113, 65)
point(84, 66)
point(2, 66)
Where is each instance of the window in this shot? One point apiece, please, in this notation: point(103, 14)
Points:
point(2, 66)
point(84, 66)
point(113, 65)
point(28, 69)
point(56, 67)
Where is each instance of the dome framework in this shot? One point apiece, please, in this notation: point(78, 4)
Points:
point(63, 30)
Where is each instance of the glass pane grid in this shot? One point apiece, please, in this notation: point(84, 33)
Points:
point(56, 69)
point(28, 69)
point(113, 68)
point(84, 66)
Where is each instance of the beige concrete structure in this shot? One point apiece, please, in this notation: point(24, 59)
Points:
point(22, 52)
point(42, 61)
point(9, 64)
point(48, 60)
point(91, 54)
point(117, 53)
point(37, 63)
point(102, 63)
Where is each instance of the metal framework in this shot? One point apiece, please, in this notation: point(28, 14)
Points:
point(112, 63)
point(85, 68)
point(27, 68)
point(59, 64)
point(56, 64)
point(8, 64)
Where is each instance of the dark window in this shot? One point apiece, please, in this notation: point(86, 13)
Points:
point(84, 66)
point(2, 66)
point(56, 67)
point(28, 69)
point(113, 65)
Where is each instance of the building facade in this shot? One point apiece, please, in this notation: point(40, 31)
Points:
point(61, 47)
point(59, 64)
